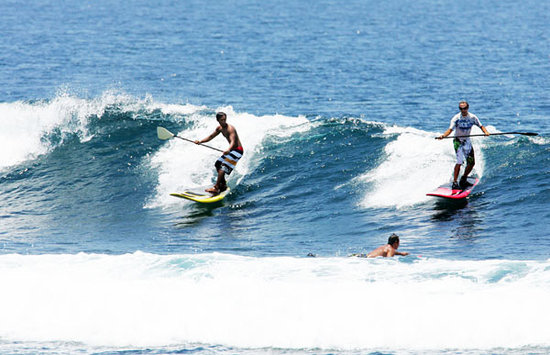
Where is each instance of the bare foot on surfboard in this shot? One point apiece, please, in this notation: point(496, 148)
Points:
point(213, 190)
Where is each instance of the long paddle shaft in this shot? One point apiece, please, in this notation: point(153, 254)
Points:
point(165, 134)
point(494, 134)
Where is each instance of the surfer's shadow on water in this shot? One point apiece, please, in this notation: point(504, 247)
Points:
point(448, 210)
point(194, 214)
point(465, 212)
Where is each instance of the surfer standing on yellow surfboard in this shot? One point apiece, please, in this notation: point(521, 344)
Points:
point(226, 163)
point(463, 123)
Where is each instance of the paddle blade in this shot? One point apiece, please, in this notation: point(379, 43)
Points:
point(164, 134)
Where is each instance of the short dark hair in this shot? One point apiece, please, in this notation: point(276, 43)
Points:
point(393, 238)
point(464, 102)
point(220, 115)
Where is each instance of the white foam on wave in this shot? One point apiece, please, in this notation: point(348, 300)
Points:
point(279, 302)
point(23, 124)
point(184, 165)
point(414, 164)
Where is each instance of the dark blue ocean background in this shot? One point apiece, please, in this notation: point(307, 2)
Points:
point(337, 104)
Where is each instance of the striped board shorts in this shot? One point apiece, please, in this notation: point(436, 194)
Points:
point(227, 162)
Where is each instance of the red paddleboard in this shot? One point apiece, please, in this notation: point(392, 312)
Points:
point(446, 191)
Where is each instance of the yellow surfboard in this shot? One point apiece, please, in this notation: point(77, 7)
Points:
point(198, 194)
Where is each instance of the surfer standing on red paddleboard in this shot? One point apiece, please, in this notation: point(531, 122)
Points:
point(226, 163)
point(463, 122)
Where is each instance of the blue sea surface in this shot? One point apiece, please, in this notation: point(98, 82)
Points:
point(337, 104)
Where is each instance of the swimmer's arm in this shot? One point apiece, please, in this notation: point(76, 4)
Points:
point(360, 255)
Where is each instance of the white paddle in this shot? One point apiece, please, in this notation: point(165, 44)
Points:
point(165, 134)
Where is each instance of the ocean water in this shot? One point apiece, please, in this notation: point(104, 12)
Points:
point(337, 104)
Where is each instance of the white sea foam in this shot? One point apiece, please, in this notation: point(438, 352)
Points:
point(282, 302)
point(414, 164)
point(23, 125)
point(183, 164)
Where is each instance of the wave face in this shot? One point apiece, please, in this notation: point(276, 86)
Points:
point(91, 175)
